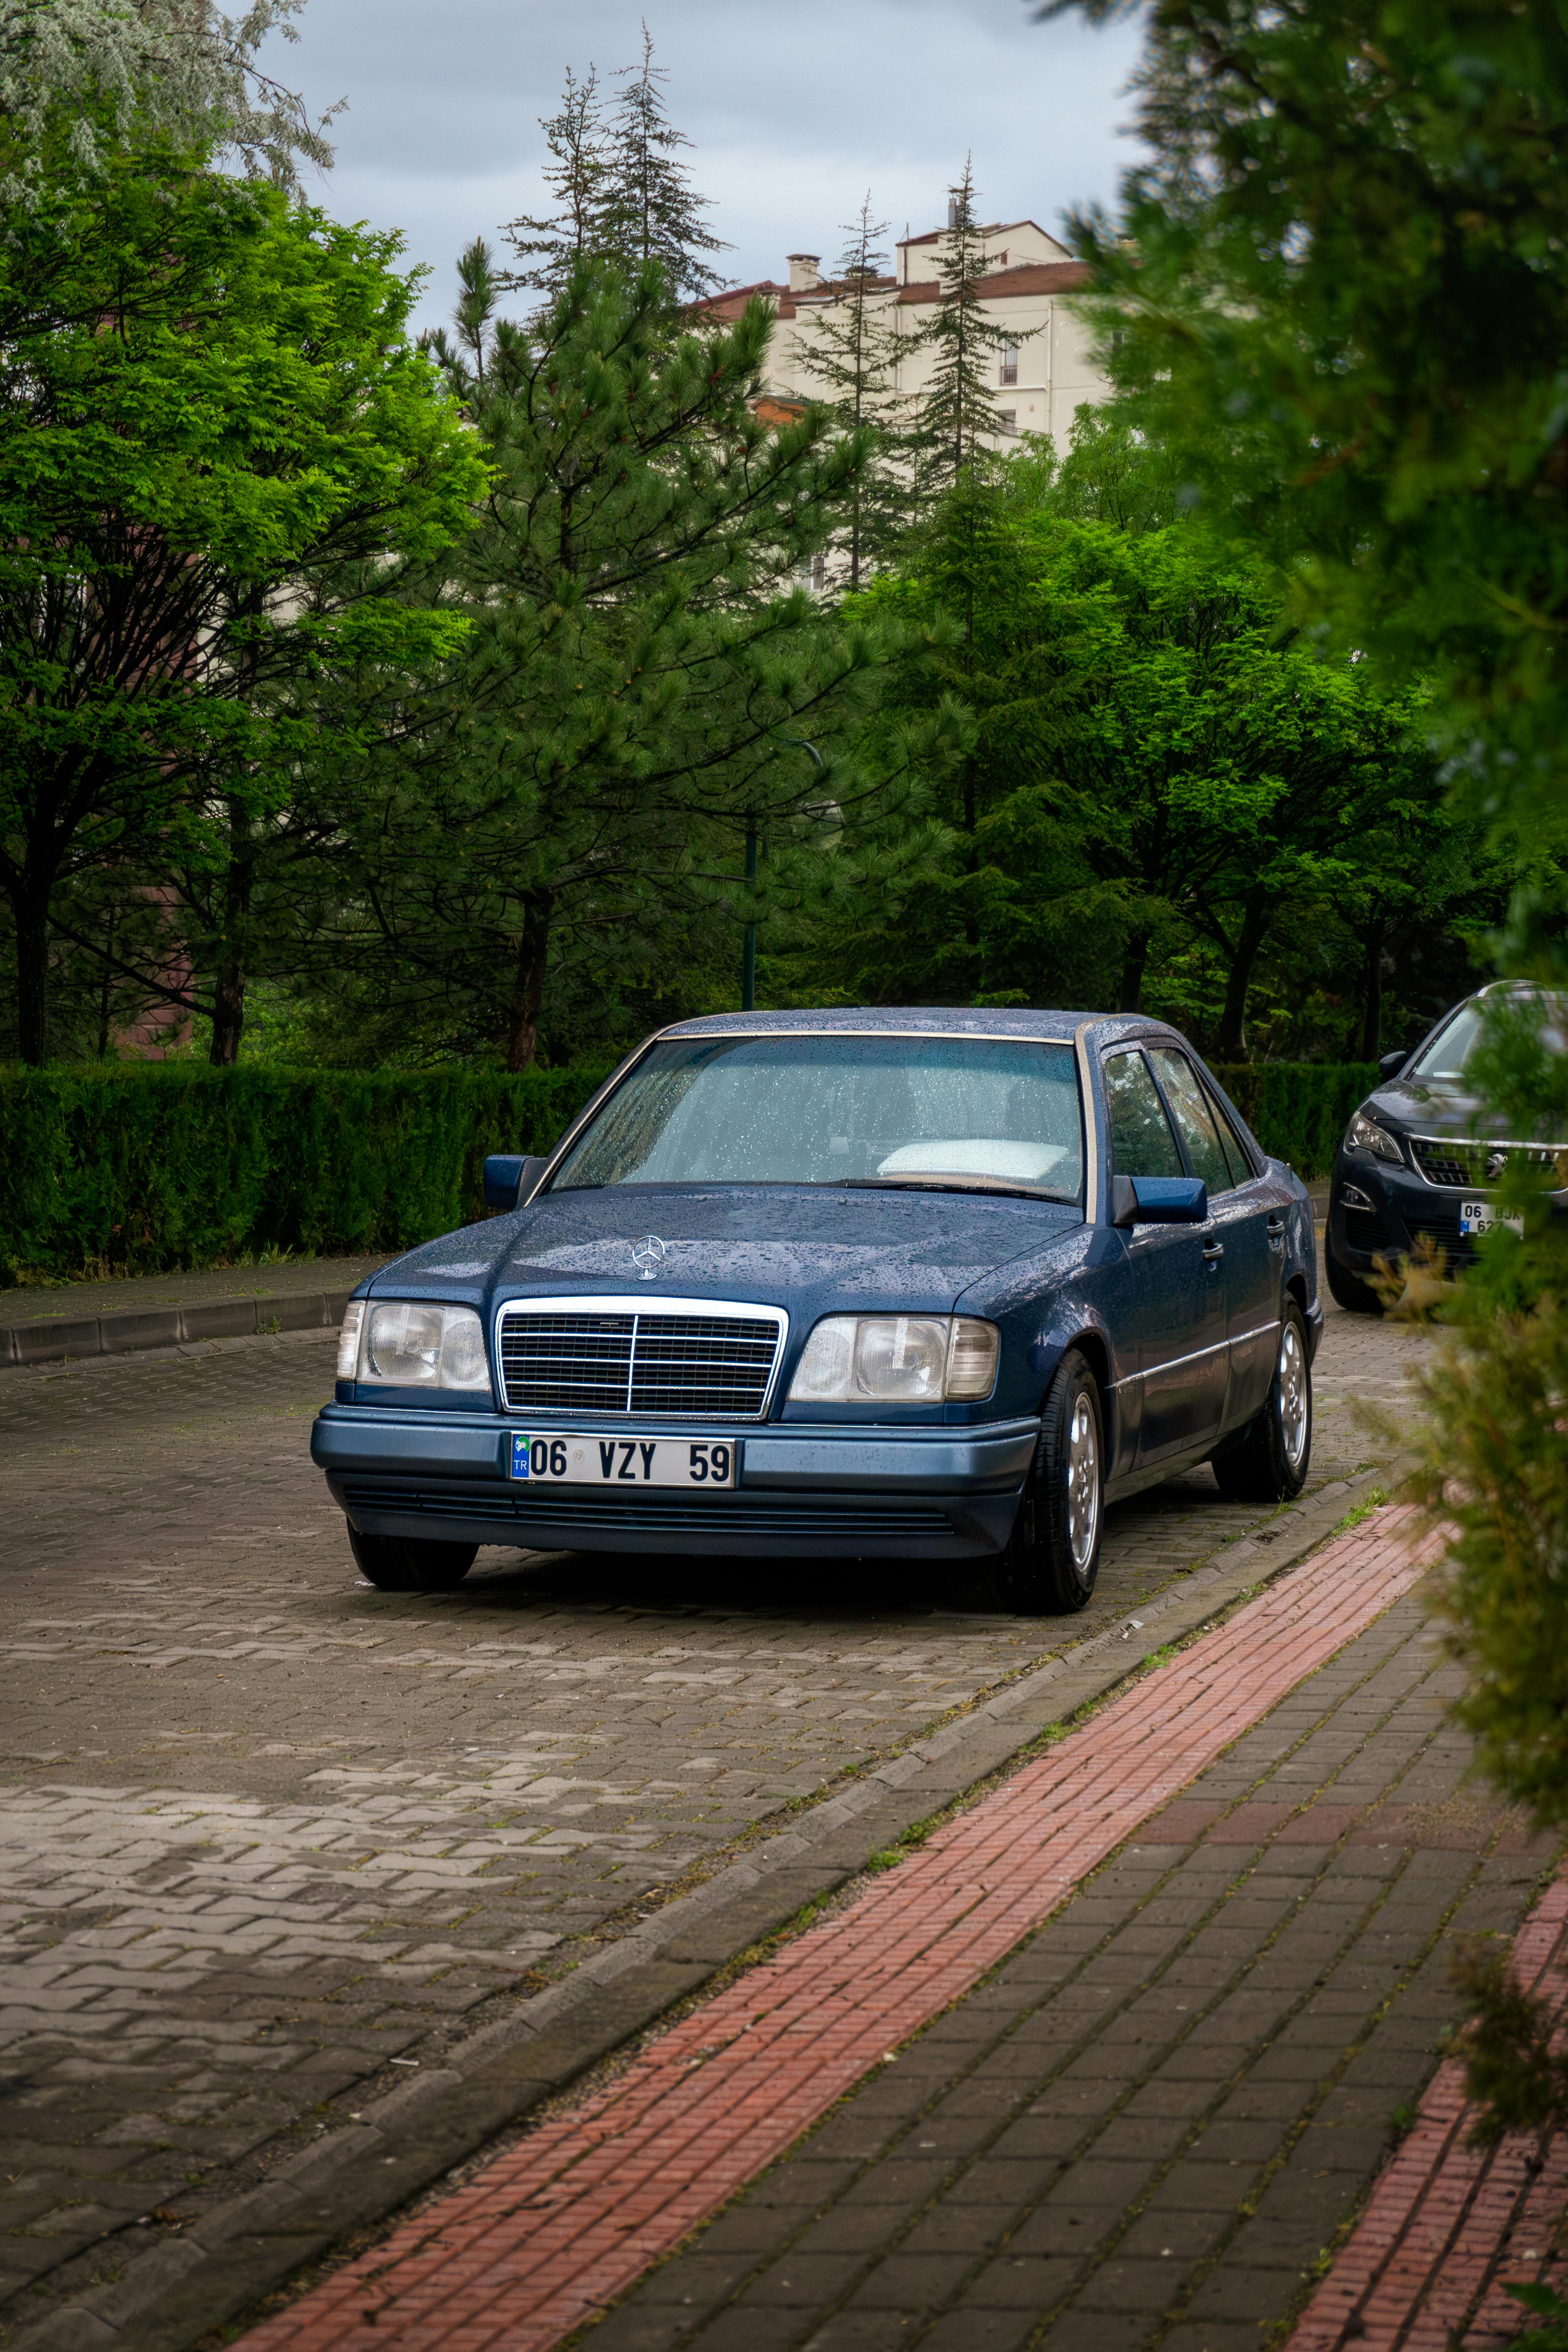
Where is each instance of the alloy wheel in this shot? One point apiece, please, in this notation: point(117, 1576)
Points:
point(1083, 1484)
point(1291, 1376)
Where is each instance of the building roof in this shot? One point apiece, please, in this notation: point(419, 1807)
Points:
point(992, 228)
point(1008, 285)
point(731, 300)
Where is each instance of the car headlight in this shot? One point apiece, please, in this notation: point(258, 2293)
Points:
point(406, 1346)
point(897, 1360)
point(1366, 1135)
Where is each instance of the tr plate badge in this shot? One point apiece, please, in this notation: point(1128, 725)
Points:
point(649, 1256)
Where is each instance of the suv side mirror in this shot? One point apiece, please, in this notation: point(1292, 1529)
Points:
point(1390, 1065)
point(510, 1176)
point(1158, 1200)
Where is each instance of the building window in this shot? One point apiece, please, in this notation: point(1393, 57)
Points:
point(1008, 373)
point(816, 574)
point(1008, 419)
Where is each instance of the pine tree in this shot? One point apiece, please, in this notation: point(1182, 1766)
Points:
point(855, 353)
point(957, 411)
point(575, 176)
point(650, 210)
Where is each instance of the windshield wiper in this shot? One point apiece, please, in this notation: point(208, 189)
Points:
point(953, 1184)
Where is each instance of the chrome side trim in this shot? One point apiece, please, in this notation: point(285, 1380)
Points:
point(1174, 1363)
point(1259, 1331)
point(635, 1303)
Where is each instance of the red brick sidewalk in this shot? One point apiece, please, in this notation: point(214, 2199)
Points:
point(1447, 2222)
point(566, 2220)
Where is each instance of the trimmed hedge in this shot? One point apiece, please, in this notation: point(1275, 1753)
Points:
point(145, 1168)
point(1298, 1110)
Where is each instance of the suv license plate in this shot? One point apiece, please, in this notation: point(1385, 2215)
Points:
point(571, 1459)
point(1479, 1217)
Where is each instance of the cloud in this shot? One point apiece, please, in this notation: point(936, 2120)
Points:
point(792, 113)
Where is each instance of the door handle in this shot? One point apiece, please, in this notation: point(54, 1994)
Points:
point(1213, 1253)
point(1276, 1233)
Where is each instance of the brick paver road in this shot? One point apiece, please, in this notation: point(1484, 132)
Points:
point(266, 1834)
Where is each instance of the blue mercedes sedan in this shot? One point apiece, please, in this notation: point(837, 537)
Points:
point(886, 1284)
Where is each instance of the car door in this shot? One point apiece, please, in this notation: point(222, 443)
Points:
point(1247, 1225)
point(1177, 1293)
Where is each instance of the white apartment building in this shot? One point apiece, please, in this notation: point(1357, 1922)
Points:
point(1042, 370)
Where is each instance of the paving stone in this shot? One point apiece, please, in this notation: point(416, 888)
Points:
point(266, 1829)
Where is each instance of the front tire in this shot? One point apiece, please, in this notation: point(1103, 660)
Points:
point(411, 1563)
point(1268, 1463)
point(1052, 1558)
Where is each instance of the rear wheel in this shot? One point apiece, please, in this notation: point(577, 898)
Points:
point(1356, 1297)
point(1268, 1462)
point(410, 1563)
point(1053, 1554)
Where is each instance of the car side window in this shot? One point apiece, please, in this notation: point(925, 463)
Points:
point(1141, 1143)
point(1236, 1152)
point(1190, 1109)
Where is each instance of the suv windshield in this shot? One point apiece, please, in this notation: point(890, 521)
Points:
point(1452, 1048)
point(961, 1113)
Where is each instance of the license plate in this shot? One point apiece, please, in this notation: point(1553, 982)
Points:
point(1479, 1217)
point(573, 1460)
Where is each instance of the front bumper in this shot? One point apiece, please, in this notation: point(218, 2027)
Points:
point(829, 1492)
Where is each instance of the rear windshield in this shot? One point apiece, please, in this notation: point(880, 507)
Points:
point(959, 1113)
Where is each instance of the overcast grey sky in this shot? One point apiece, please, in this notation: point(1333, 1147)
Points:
point(792, 111)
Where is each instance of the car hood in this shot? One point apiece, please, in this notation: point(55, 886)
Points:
point(1421, 1107)
point(779, 1245)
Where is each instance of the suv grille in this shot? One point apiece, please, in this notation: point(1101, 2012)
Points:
point(1469, 1166)
point(713, 1367)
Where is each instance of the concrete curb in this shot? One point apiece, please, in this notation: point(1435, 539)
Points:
point(68, 1338)
point(353, 2176)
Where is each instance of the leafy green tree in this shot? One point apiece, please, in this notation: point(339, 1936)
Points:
point(957, 417)
point(215, 439)
point(1347, 304)
point(855, 353)
point(576, 176)
point(650, 210)
point(76, 77)
point(640, 679)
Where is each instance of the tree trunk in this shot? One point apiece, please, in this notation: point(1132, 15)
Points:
point(32, 912)
point(1244, 955)
point(228, 993)
point(1371, 1010)
point(1134, 956)
point(528, 980)
point(106, 996)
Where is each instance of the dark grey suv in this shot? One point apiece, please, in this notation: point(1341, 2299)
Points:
point(1420, 1157)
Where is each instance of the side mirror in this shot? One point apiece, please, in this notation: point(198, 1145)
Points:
point(1390, 1065)
point(1158, 1200)
point(510, 1176)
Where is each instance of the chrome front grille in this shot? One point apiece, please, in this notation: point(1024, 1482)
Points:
point(1465, 1166)
point(615, 1357)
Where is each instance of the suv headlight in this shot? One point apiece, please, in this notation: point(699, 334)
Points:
point(1366, 1135)
point(897, 1360)
point(401, 1345)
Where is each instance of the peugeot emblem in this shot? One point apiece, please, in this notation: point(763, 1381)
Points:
point(649, 1255)
point(1495, 1163)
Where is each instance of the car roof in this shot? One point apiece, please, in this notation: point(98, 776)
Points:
point(920, 1021)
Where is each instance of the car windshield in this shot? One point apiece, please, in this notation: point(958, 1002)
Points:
point(962, 1113)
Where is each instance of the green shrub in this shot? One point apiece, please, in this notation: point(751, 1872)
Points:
point(1298, 1110)
point(149, 1166)
point(144, 1168)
